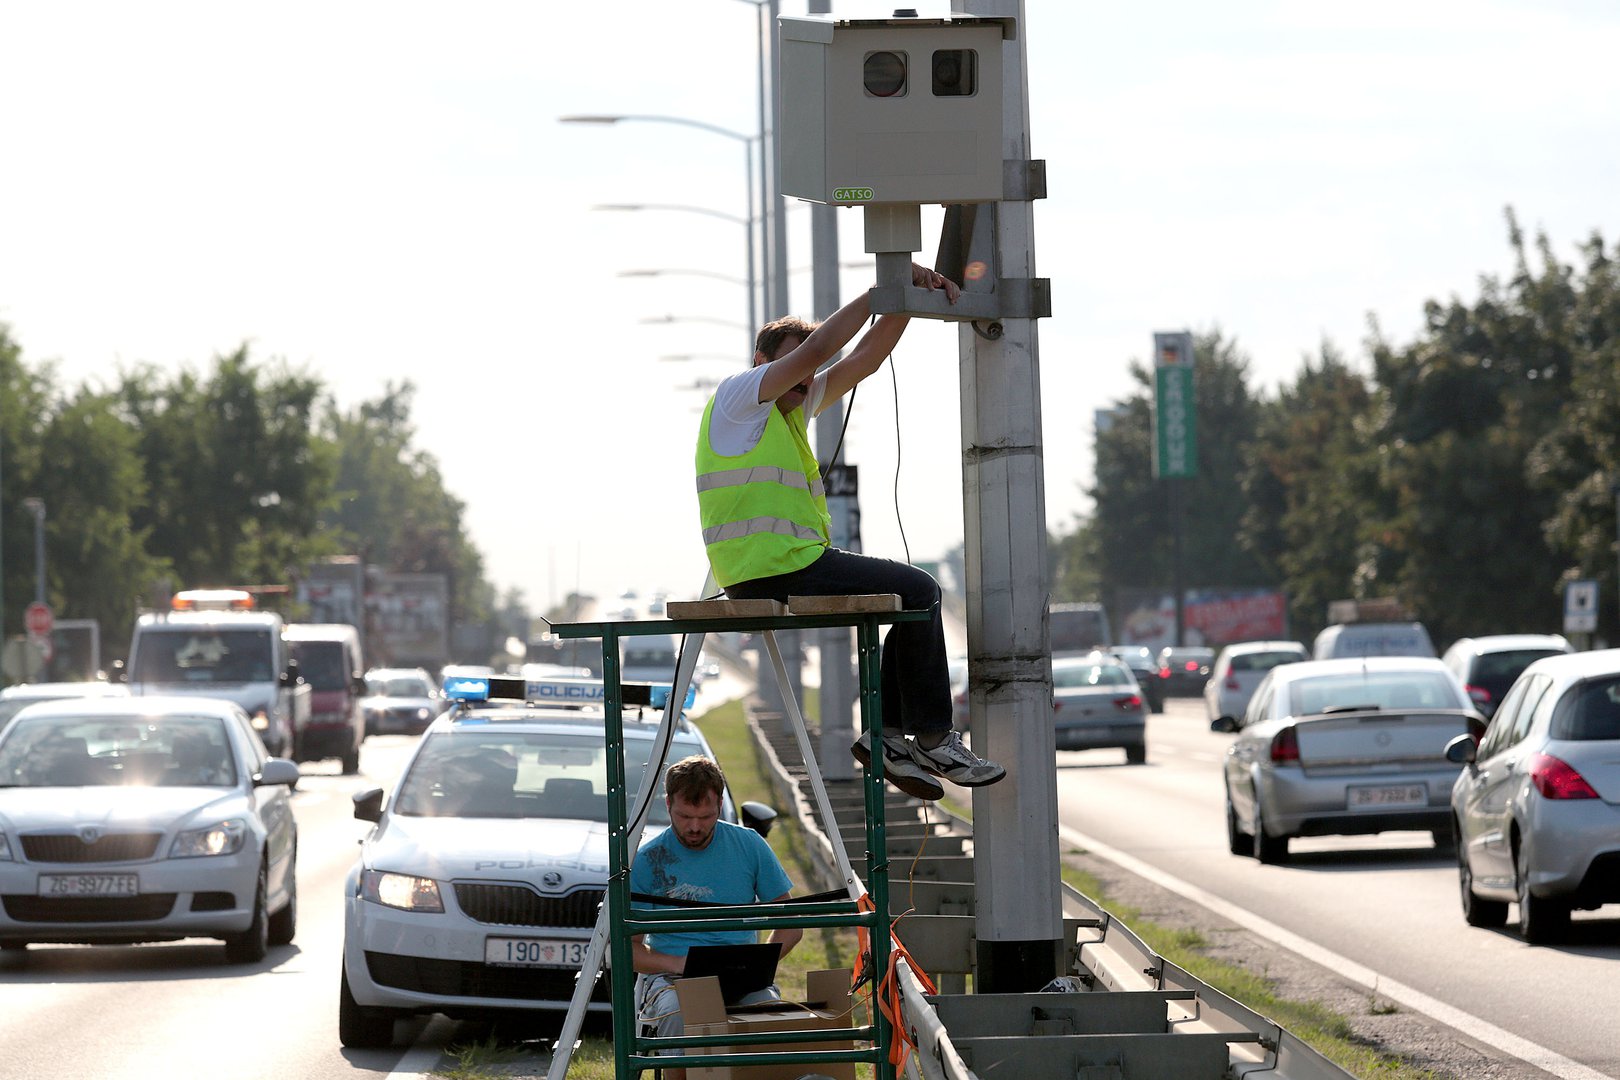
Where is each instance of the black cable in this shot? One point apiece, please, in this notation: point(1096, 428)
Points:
point(894, 380)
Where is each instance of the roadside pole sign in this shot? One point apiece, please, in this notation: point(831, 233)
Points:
point(38, 620)
point(1580, 607)
point(1175, 441)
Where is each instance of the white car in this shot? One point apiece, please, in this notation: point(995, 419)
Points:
point(145, 819)
point(477, 890)
point(1239, 669)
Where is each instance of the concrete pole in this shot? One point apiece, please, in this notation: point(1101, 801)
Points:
point(1016, 864)
point(837, 677)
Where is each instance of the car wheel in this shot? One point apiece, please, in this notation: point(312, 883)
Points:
point(1271, 850)
point(1477, 912)
point(351, 762)
point(360, 1028)
point(1541, 921)
point(1238, 841)
point(1136, 754)
point(284, 923)
point(250, 946)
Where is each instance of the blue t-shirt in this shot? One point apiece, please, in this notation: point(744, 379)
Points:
point(738, 867)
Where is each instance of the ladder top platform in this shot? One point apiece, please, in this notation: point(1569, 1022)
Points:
point(713, 616)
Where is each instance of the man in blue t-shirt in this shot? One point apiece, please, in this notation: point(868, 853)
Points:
point(699, 857)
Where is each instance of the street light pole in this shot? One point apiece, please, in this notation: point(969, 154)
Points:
point(748, 182)
point(37, 508)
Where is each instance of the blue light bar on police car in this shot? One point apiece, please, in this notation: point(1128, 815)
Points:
point(482, 688)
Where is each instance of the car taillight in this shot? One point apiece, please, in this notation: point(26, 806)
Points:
point(1128, 703)
point(1478, 694)
point(1232, 683)
point(1164, 672)
point(1191, 665)
point(1557, 779)
point(1285, 745)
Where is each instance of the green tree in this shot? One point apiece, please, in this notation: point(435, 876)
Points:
point(237, 478)
point(25, 398)
point(1134, 519)
point(391, 507)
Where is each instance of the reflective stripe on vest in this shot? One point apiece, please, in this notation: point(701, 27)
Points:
point(763, 512)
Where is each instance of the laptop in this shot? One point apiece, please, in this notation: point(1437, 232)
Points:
point(741, 969)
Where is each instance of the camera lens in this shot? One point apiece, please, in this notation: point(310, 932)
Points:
point(884, 74)
point(955, 73)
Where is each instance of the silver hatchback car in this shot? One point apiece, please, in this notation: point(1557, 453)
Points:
point(1537, 806)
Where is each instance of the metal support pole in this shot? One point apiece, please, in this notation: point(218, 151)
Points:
point(1020, 910)
point(37, 508)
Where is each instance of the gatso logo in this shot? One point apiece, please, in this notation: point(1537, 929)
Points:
point(852, 194)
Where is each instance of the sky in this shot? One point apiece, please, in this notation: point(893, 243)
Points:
point(376, 193)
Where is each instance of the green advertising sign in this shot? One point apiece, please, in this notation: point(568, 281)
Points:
point(1175, 434)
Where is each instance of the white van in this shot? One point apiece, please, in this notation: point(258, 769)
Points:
point(1373, 639)
point(329, 660)
point(649, 659)
point(213, 643)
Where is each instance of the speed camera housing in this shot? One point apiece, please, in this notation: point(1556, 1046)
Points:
point(892, 111)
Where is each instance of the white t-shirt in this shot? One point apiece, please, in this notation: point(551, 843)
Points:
point(738, 419)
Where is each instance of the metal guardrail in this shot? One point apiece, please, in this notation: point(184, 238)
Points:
point(1106, 957)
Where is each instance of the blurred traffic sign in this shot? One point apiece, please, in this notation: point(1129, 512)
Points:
point(39, 620)
point(1580, 607)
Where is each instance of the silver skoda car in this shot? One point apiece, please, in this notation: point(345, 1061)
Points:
point(1537, 806)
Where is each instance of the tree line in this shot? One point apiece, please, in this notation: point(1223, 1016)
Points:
point(1470, 474)
point(242, 475)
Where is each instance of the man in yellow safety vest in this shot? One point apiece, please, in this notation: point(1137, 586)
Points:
point(765, 525)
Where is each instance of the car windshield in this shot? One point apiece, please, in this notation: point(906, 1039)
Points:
point(499, 774)
point(203, 655)
point(321, 664)
point(1378, 689)
point(409, 686)
point(1590, 713)
point(170, 751)
point(1069, 676)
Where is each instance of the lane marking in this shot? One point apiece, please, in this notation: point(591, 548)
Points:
point(423, 1056)
point(1529, 1052)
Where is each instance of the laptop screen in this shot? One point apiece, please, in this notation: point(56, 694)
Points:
point(741, 969)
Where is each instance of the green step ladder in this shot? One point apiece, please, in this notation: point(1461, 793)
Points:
point(634, 1052)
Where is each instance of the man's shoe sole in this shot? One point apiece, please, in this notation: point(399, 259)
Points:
point(918, 786)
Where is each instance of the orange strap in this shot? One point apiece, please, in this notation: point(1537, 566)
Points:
point(887, 988)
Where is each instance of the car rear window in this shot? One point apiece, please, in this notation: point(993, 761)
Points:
point(1381, 690)
point(1589, 712)
point(1074, 675)
point(1495, 672)
point(1263, 661)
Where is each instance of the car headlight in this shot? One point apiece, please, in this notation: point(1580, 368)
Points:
point(401, 891)
point(225, 838)
point(424, 714)
point(261, 722)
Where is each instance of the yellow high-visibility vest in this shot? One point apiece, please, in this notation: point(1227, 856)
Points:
point(764, 512)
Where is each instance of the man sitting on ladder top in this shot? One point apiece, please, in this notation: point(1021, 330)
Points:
point(699, 857)
point(765, 526)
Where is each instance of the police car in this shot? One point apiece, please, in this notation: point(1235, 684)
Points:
point(477, 890)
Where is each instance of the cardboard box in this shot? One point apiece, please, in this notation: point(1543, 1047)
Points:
point(828, 1005)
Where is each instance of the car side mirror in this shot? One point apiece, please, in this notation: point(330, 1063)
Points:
point(1462, 750)
point(759, 817)
point(358, 684)
point(368, 804)
point(277, 771)
point(1225, 725)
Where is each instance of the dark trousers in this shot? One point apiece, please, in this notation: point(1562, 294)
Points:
point(916, 682)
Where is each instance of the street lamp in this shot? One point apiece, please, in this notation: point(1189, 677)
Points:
point(37, 508)
point(748, 177)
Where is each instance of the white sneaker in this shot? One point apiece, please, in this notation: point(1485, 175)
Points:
point(956, 763)
point(899, 767)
